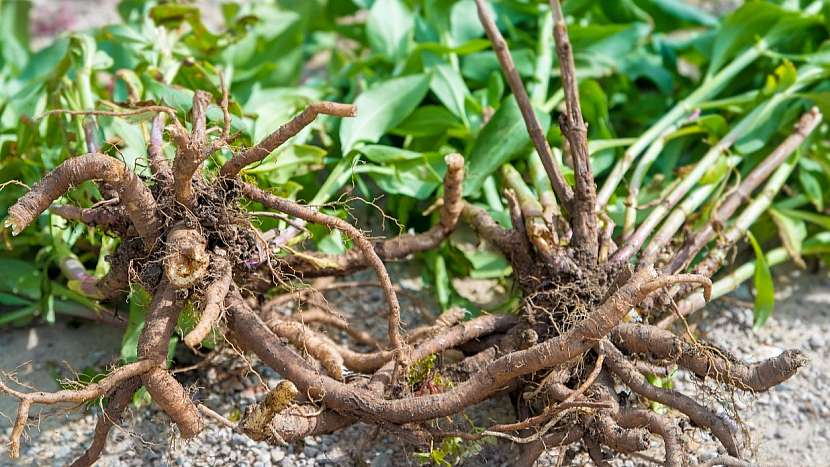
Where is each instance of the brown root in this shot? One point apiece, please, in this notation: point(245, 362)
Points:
point(721, 426)
point(88, 392)
point(174, 400)
point(660, 344)
point(661, 426)
point(296, 210)
point(306, 340)
point(214, 298)
point(110, 416)
point(319, 316)
point(560, 358)
point(582, 336)
point(135, 197)
point(283, 133)
point(257, 421)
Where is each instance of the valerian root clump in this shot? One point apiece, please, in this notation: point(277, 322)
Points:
point(186, 237)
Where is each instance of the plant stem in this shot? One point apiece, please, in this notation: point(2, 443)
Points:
point(748, 217)
point(643, 166)
point(582, 210)
point(707, 90)
point(808, 122)
point(514, 81)
point(748, 122)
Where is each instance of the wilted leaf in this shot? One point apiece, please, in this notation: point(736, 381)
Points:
point(792, 232)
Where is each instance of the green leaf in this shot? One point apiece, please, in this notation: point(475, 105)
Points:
point(288, 162)
point(14, 33)
point(20, 278)
point(139, 303)
point(812, 187)
point(679, 10)
point(717, 171)
point(427, 121)
point(388, 28)
point(442, 281)
point(404, 172)
point(382, 108)
point(389, 154)
point(817, 219)
point(753, 21)
point(478, 66)
point(464, 23)
point(764, 287)
point(449, 87)
point(817, 245)
point(487, 264)
point(501, 139)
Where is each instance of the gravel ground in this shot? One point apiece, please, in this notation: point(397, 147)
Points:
point(788, 423)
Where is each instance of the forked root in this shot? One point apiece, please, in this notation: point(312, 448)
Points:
point(659, 425)
point(303, 212)
point(79, 396)
point(721, 426)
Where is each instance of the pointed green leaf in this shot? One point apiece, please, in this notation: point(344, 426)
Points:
point(503, 138)
point(764, 287)
point(381, 108)
point(812, 187)
point(449, 87)
point(388, 28)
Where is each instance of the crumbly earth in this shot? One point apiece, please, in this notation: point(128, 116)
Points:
point(788, 423)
